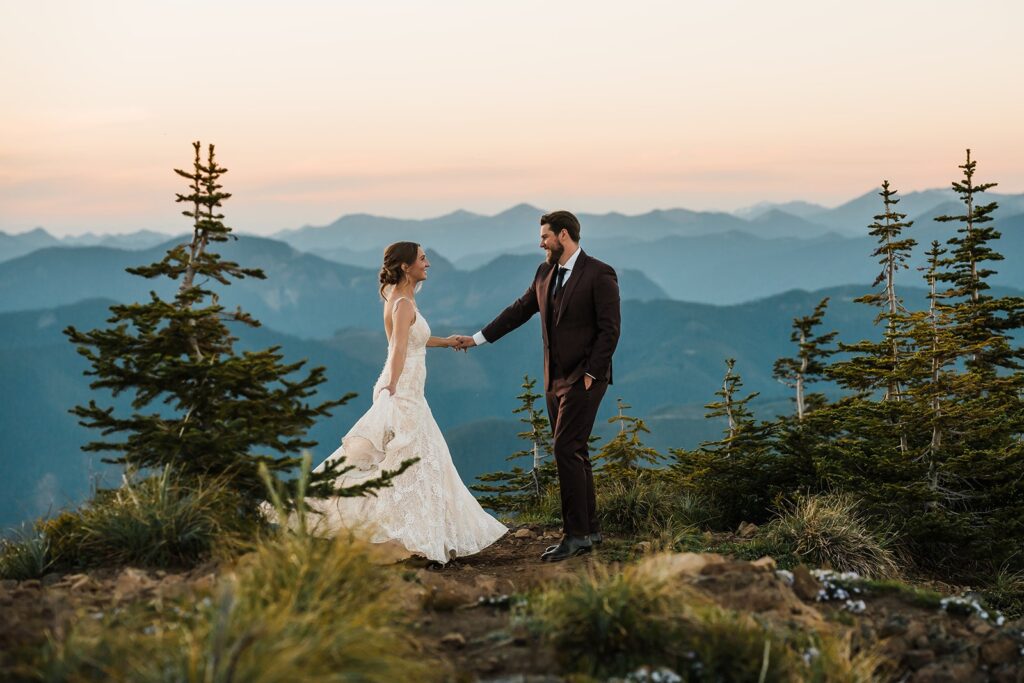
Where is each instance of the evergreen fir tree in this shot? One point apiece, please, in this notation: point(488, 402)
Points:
point(809, 365)
point(739, 471)
point(980, 317)
point(197, 404)
point(519, 489)
point(881, 365)
point(625, 455)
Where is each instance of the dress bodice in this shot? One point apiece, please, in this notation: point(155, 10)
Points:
point(414, 372)
point(419, 334)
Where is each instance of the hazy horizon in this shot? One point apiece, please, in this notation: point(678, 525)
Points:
point(410, 111)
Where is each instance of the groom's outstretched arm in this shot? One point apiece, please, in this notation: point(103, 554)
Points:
point(518, 312)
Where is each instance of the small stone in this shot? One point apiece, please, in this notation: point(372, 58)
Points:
point(934, 673)
point(205, 582)
point(895, 625)
point(894, 647)
point(454, 640)
point(1006, 674)
point(917, 659)
point(805, 585)
point(978, 625)
point(524, 533)
point(642, 547)
point(767, 563)
point(746, 530)
point(51, 579)
point(916, 631)
point(132, 581)
point(30, 584)
point(999, 650)
point(490, 665)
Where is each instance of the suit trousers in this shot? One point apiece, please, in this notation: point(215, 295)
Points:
point(572, 418)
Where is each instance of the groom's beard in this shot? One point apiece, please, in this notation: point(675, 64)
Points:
point(554, 256)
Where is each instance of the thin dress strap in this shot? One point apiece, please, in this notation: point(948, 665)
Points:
point(395, 303)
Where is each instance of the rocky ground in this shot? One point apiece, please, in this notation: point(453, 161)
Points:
point(463, 611)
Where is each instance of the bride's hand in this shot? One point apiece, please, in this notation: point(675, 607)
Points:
point(453, 342)
point(390, 389)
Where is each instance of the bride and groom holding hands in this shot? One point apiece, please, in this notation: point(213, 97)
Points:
point(427, 508)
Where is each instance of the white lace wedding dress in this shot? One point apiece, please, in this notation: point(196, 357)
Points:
point(427, 508)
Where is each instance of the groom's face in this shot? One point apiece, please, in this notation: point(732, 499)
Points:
point(550, 244)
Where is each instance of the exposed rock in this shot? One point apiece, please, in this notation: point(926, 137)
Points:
point(746, 530)
point(51, 579)
point(1000, 650)
point(978, 625)
point(524, 533)
point(491, 665)
point(766, 563)
point(805, 585)
point(673, 565)
point(131, 582)
point(895, 625)
point(443, 594)
point(934, 673)
point(917, 659)
point(454, 640)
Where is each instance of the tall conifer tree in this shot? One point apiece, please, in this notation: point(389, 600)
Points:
point(197, 404)
point(520, 489)
point(625, 454)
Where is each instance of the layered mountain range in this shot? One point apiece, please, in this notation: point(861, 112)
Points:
point(697, 287)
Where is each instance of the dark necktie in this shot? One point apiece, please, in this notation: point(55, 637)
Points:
point(558, 282)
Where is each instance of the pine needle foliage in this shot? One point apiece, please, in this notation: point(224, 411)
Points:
point(197, 404)
point(625, 455)
point(737, 471)
point(810, 362)
point(521, 490)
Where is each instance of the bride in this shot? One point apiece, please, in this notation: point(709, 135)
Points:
point(427, 508)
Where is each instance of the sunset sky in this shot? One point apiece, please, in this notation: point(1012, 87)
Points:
point(416, 109)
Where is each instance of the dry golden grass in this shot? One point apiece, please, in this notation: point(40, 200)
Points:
point(828, 530)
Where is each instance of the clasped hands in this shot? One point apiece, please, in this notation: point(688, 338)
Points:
point(460, 342)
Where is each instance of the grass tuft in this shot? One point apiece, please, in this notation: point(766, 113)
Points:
point(605, 623)
point(296, 607)
point(828, 530)
point(636, 505)
point(26, 556)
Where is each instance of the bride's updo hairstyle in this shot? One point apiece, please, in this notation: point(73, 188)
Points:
point(395, 256)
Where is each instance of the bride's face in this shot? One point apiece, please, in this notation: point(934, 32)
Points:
point(417, 272)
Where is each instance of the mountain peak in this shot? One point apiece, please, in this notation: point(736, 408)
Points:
point(520, 209)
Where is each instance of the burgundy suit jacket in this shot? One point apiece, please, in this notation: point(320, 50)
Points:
point(584, 331)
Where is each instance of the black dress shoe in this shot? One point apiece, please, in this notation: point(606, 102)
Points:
point(570, 546)
point(596, 538)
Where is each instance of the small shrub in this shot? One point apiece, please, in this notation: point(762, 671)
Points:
point(25, 557)
point(606, 624)
point(164, 520)
point(547, 512)
point(645, 502)
point(827, 530)
point(1005, 593)
point(295, 608)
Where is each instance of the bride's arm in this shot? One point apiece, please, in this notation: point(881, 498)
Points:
point(403, 317)
point(443, 342)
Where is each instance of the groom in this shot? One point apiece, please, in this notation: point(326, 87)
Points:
point(577, 297)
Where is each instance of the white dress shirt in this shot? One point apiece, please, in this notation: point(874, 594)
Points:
point(479, 338)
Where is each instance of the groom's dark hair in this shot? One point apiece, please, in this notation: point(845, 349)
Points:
point(562, 220)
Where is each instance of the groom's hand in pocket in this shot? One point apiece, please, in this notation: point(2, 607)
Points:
point(587, 382)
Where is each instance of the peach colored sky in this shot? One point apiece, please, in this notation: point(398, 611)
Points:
point(416, 109)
